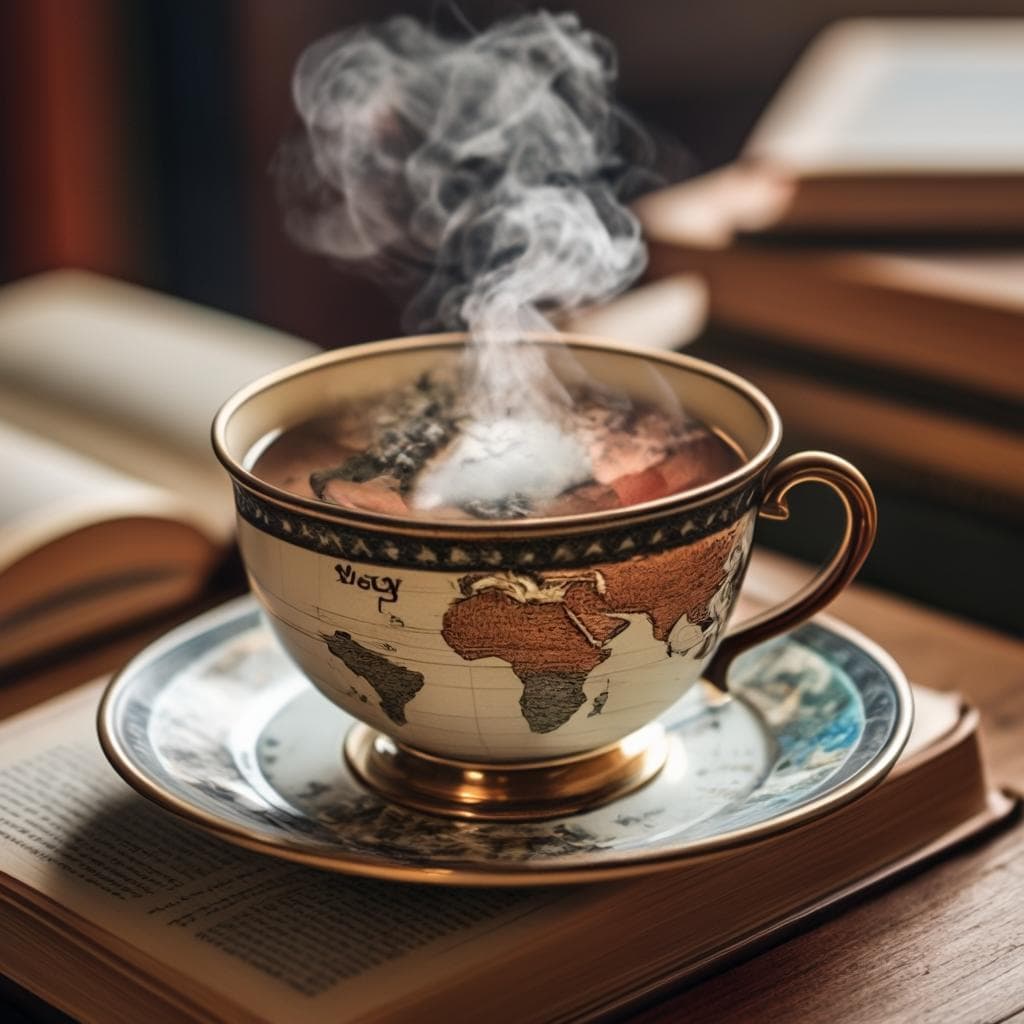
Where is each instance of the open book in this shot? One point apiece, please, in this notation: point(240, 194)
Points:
point(113, 506)
point(114, 911)
point(897, 125)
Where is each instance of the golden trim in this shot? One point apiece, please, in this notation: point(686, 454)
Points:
point(859, 529)
point(515, 791)
point(493, 874)
point(521, 528)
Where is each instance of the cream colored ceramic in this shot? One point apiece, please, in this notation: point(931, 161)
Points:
point(524, 640)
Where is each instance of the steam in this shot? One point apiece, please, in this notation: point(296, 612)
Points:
point(484, 175)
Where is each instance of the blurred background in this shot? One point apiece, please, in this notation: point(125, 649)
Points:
point(138, 134)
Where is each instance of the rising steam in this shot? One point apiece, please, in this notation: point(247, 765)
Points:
point(485, 175)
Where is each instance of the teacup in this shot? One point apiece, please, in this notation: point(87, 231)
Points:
point(463, 642)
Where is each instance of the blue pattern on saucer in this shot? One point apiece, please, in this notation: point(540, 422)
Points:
point(215, 722)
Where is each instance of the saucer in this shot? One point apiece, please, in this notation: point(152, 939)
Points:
point(215, 724)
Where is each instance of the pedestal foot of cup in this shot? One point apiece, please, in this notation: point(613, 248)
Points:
point(515, 791)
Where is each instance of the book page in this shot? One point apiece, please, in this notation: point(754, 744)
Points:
point(283, 942)
point(666, 314)
point(130, 454)
point(901, 95)
point(988, 278)
point(131, 378)
point(55, 490)
point(280, 941)
point(132, 356)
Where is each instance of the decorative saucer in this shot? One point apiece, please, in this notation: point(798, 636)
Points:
point(214, 723)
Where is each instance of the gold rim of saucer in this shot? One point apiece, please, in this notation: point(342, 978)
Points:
point(510, 791)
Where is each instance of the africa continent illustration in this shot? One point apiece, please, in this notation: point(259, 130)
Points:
point(553, 629)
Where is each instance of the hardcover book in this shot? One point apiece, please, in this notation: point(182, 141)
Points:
point(114, 911)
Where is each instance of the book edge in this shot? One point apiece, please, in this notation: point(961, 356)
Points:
point(1004, 808)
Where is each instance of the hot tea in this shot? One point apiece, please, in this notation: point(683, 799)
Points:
point(421, 453)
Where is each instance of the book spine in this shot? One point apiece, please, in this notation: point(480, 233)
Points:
point(184, 79)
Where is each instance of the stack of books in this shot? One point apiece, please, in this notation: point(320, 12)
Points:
point(865, 265)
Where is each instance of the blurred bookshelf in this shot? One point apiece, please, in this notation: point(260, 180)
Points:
point(137, 134)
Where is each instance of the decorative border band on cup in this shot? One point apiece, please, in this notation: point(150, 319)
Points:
point(489, 554)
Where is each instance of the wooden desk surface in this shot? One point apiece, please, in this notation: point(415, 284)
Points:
point(946, 946)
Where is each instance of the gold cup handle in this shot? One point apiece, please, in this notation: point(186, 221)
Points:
point(858, 535)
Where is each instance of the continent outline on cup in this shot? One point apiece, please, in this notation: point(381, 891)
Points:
point(556, 672)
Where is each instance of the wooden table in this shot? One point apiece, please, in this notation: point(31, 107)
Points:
point(946, 946)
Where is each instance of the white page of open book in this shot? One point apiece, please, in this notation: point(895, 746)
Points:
point(282, 942)
point(54, 490)
point(897, 94)
point(131, 378)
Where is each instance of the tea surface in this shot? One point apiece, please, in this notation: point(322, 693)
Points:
point(419, 454)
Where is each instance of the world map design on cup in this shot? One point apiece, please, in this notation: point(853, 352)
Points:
point(503, 665)
point(512, 641)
